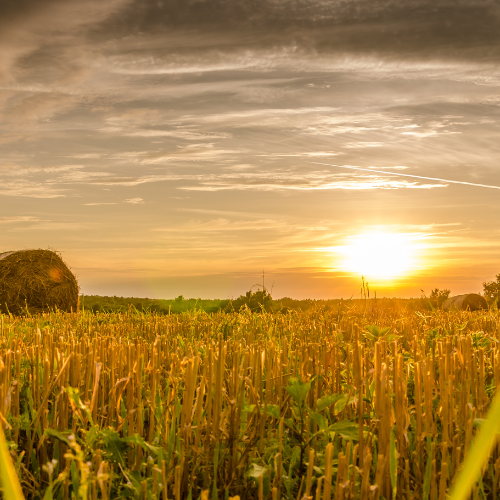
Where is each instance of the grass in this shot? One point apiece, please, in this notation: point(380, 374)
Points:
point(349, 402)
point(9, 482)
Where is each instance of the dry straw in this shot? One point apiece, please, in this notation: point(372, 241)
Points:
point(200, 406)
point(36, 281)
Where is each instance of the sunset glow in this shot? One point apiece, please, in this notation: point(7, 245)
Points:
point(380, 255)
point(242, 236)
point(181, 148)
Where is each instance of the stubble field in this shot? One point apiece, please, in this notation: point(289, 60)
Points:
point(361, 401)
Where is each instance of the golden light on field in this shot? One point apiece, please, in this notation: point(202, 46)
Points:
point(380, 255)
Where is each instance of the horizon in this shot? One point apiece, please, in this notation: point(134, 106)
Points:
point(168, 148)
point(234, 298)
point(371, 297)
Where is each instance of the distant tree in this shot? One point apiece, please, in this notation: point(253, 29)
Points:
point(492, 291)
point(438, 297)
point(180, 298)
point(257, 301)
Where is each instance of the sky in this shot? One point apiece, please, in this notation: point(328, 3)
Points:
point(183, 147)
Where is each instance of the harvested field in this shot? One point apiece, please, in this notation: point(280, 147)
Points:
point(343, 403)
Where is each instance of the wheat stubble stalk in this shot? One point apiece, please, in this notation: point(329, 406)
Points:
point(207, 400)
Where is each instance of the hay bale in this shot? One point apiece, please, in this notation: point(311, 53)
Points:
point(37, 281)
point(467, 301)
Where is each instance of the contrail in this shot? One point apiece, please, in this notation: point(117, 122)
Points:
point(408, 175)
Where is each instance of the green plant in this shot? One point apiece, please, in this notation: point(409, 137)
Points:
point(323, 415)
point(376, 333)
point(11, 489)
point(478, 454)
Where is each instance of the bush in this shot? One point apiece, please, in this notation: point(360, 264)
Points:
point(492, 291)
point(255, 301)
point(438, 297)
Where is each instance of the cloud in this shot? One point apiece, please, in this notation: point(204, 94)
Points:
point(224, 224)
point(55, 182)
point(13, 170)
point(463, 29)
point(199, 152)
point(30, 190)
point(99, 203)
point(45, 57)
point(297, 181)
point(127, 155)
point(423, 134)
point(332, 121)
point(302, 62)
point(134, 201)
point(180, 134)
point(33, 108)
point(88, 156)
point(18, 219)
point(221, 213)
point(37, 39)
point(311, 154)
point(359, 145)
point(50, 226)
point(351, 186)
point(43, 181)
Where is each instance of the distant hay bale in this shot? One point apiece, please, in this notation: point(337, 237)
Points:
point(36, 281)
point(467, 301)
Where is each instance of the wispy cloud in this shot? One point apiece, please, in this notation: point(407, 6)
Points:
point(30, 190)
point(309, 154)
point(88, 156)
point(300, 60)
point(230, 179)
point(295, 181)
point(224, 224)
point(200, 152)
point(360, 145)
point(180, 134)
point(100, 203)
point(18, 219)
point(52, 226)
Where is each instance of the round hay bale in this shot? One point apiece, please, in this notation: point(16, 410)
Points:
point(36, 281)
point(467, 301)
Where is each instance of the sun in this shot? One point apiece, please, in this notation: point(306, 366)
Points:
point(380, 255)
